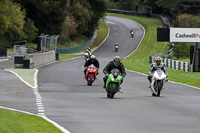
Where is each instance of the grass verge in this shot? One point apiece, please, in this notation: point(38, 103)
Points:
point(101, 35)
point(14, 122)
point(139, 61)
point(26, 74)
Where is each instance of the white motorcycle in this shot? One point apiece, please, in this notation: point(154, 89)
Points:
point(158, 81)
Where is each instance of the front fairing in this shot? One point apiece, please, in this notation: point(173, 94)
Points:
point(112, 79)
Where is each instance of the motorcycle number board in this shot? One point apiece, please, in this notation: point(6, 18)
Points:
point(184, 34)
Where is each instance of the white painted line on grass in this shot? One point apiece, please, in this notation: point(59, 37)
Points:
point(16, 110)
point(35, 89)
point(39, 115)
point(40, 107)
point(55, 124)
point(21, 79)
point(3, 60)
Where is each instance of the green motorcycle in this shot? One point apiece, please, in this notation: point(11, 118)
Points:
point(113, 83)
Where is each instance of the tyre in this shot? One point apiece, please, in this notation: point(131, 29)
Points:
point(159, 85)
point(113, 90)
point(90, 81)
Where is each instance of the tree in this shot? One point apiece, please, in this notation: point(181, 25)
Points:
point(98, 7)
point(128, 5)
point(81, 12)
point(181, 49)
point(48, 15)
point(87, 14)
point(12, 21)
point(30, 30)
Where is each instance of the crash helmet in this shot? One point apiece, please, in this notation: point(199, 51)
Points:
point(89, 49)
point(158, 60)
point(92, 58)
point(116, 60)
point(116, 43)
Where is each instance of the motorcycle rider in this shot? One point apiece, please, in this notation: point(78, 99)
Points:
point(116, 45)
point(112, 65)
point(88, 53)
point(131, 32)
point(91, 60)
point(154, 66)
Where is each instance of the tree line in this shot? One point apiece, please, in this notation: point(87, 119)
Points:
point(26, 19)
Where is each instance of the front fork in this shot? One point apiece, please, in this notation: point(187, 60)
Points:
point(153, 85)
point(118, 86)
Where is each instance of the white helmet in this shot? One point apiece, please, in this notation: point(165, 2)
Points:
point(116, 60)
point(93, 57)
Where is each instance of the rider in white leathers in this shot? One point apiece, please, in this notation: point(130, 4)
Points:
point(157, 65)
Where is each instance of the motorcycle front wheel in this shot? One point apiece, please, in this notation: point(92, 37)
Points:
point(113, 90)
point(159, 85)
point(90, 81)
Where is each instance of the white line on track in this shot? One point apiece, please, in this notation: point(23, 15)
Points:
point(44, 117)
point(3, 60)
point(40, 107)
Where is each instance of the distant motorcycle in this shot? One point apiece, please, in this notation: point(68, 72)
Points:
point(158, 81)
point(86, 55)
point(116, 48)
point(91, 74)
point(113, 83)
point(132, 34)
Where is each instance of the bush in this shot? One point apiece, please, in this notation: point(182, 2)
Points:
point(182, 50)
point(188, 21)
point(68, 28)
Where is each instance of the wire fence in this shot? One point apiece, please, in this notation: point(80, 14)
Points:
point(47, 42)
point(76, 48)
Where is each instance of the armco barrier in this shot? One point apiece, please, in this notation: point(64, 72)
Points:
point(165, 20)
point(76, 48)
point(40, 59)
point(184, 66)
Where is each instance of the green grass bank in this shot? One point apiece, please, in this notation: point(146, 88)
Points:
point(14, 122)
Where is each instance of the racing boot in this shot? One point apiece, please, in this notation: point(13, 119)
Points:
point(149, 86)
point(104, 86)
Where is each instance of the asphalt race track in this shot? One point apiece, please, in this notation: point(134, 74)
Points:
point(86, 109)
point(14, 93)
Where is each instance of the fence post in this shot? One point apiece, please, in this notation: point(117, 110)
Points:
point(173, 65)
point(179, 65)
point(165, 61)
point(186, 66)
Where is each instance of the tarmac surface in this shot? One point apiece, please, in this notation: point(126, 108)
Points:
point(85, 109)
point(13, 92)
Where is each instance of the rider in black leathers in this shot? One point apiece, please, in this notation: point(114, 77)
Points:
point(112, 65)
point(91, 60)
